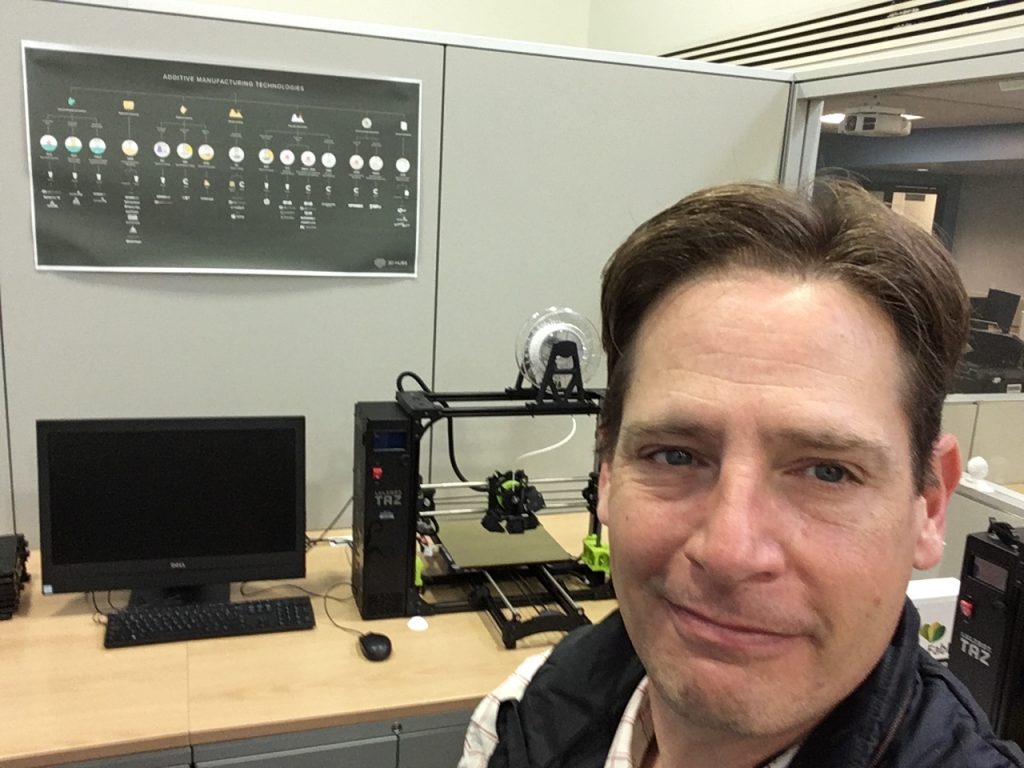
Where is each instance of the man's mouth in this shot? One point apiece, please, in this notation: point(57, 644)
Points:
point(731, 633)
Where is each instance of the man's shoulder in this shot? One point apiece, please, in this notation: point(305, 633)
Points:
point(945, 727)
point(600, 647)
point(482, 734)
point(570, 702)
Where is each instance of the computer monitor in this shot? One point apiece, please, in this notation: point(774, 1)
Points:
point(1001, 308)
point(173, 509)
point(979, 307)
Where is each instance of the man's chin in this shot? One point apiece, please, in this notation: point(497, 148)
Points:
point(726, 702)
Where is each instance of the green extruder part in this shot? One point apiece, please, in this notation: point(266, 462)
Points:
point(595, 556)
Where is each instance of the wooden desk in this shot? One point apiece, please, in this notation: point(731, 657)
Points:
point(66, 698)
point(74, 700)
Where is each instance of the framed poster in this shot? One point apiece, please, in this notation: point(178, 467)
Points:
point(148, 165)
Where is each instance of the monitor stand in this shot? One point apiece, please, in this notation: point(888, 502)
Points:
point(198, 593)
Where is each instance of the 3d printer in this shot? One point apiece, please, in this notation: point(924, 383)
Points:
point(411, 558)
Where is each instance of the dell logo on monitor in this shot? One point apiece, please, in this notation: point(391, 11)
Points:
point(177, 564)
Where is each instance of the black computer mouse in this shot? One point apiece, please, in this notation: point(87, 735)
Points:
point(374, 646)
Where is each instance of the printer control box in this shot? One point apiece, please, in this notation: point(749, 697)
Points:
point(935, 600)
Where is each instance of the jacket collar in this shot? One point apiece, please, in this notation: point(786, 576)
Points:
point(857, 732)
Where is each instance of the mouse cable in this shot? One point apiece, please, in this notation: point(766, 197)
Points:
point(327, 611)
point(327, 596)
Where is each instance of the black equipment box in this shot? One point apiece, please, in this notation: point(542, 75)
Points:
point(986, 651)
point(13, 572)
point(384, 511)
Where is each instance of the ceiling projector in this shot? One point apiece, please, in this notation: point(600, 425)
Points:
point(875, 121)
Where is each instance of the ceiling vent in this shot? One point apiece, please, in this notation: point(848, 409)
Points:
point(871, 29)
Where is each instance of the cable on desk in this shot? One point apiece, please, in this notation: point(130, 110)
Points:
point(327, 595)
point(310, 543)
point(99, 617)
point(113, 608)
point(253, 592)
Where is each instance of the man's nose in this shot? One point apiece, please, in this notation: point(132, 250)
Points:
point(736, 536)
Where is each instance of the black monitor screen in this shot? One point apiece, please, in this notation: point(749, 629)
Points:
point(163, 502)
point(1001, 308)
point(979, 307)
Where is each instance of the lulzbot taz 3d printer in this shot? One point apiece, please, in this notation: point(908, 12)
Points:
point(412, 557)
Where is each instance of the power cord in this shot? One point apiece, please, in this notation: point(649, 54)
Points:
point(99, 612)
point(451, 425)
point(244, 592)
point(415, 377)
point(310, 543)
point(99, 617)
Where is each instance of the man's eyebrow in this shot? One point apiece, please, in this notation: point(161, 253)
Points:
point(833, 441)
point(824, 439)
point(670, 428)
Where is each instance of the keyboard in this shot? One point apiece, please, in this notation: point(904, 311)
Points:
point(197, 621)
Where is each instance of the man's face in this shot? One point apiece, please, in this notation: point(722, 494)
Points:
point(760, 500)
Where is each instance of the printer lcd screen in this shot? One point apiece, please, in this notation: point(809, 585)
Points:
point(989, 573)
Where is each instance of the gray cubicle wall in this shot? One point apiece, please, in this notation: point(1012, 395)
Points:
point(7, 525)
point(535, 162)
point(548, 165)
point(998, 437)
point(104, 345)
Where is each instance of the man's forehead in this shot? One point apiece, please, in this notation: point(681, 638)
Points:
point(727, 308)
point(798, 295)
point(819, 357)
point(766, 315)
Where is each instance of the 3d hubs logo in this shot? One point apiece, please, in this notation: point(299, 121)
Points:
point(936, 640)
point(933, 632)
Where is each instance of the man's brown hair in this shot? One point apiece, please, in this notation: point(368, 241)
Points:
point(838, 232)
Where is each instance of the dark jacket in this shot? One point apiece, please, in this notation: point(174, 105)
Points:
point(909, 713)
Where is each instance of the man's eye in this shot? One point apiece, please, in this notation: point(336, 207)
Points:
point(829, 473)
point(675, 457)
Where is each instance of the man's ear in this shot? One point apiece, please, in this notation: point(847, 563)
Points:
point(603, 488)
point(946, 470)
